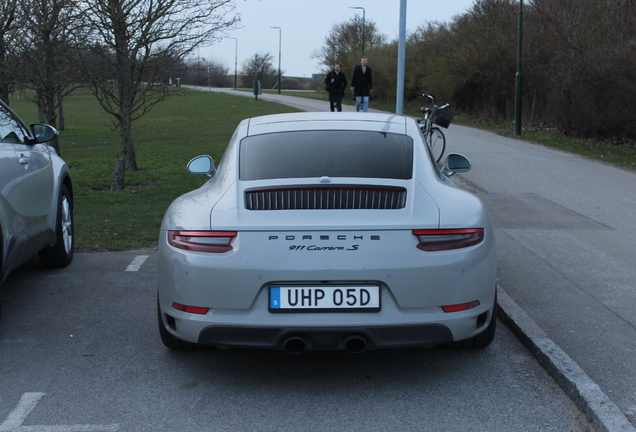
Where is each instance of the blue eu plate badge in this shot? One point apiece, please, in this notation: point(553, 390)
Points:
point(274, 298)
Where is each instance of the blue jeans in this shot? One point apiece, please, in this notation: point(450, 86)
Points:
point(364, 101)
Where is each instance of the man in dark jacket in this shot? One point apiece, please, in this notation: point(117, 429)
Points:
point(337, 82)
point(362, 85)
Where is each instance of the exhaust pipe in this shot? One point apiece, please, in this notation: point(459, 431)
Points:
point(295, 345)
point(355, 344)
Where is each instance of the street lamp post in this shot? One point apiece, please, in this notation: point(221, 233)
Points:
point(399, 98)
point(519, 75)
point(235, 61)
point(280, 36)
point(363, 16)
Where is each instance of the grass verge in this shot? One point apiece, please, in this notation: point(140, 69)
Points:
point(165, 140)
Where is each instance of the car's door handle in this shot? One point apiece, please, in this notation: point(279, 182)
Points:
point(24, 160)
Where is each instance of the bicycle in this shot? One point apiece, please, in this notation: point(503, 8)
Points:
point(433, 136)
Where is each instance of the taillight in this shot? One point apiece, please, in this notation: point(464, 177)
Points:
point(190, 309)
point(445, 239)
point(461, 307)
point(202, 241)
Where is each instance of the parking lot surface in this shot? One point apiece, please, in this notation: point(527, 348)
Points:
point(80, 351)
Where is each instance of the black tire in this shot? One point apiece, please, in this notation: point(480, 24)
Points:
point(168, 339)
point(437, 143)
point(483, 339)
point(1, 257)
point(61, 254)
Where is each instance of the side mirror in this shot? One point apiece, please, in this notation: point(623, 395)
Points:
point(456, 163)
point(202, 165)
point(43, 132)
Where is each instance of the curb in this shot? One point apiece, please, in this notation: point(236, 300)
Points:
point(600, 411)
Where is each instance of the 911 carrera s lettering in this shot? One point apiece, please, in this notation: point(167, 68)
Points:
point(323, 248)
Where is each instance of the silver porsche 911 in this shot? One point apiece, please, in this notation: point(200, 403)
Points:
point(327, 231)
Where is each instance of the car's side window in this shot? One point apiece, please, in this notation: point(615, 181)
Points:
point(10, 129)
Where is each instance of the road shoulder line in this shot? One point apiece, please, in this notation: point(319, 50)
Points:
point(604, 415)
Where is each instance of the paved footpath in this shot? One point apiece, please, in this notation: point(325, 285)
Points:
point(566, 236)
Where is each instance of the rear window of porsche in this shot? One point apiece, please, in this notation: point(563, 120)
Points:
point(326, 153)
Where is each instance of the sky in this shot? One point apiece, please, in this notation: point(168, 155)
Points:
point(305, 25)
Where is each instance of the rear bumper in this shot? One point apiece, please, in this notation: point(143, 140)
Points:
point(329, 338)
point(414, 287)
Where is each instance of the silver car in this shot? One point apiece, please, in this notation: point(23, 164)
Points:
point(36, 196)
point(327, 231)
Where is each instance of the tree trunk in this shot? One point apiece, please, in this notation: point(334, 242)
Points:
point(51, 119)
point(131, 157)
point(4, 79)
point(120, 169)
point(60, 110)
point(41, 116)
point(127, 98)
point(125, 138)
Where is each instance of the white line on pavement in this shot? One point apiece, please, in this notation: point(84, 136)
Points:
point(20, 412)
point(28, 401)
point(136, 263)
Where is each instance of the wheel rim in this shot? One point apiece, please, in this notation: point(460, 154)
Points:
point(67, 225)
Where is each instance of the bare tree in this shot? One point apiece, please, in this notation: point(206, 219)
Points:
point(344, 44)
point(482, 54)
point(135, 44)
point(8, 10)
point(259, 67)
point(202, 72)
point(589, 80)
point(44, 51)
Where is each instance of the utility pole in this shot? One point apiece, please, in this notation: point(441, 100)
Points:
point(363, 16)
point(280, 37)
point(235, 61)
point(399, 98)
point(519, 75)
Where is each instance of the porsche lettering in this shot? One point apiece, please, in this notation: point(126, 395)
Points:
point(324, 237)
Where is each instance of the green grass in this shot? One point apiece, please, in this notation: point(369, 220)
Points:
point(165, 140)
point(181, 128)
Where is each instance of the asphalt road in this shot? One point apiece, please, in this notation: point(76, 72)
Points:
point(80, 351)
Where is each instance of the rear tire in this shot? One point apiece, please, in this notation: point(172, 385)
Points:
point(170, 340)
point(61, 254)
point(483, 339)
point(1, 272)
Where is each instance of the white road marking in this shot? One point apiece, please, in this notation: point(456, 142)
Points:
point(13, 422)
point(25, 406)
point(137, 263)
point(69, 428)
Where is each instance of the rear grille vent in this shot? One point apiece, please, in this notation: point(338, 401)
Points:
point(326, 199)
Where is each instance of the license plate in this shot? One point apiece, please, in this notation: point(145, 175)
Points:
point(324, 298)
